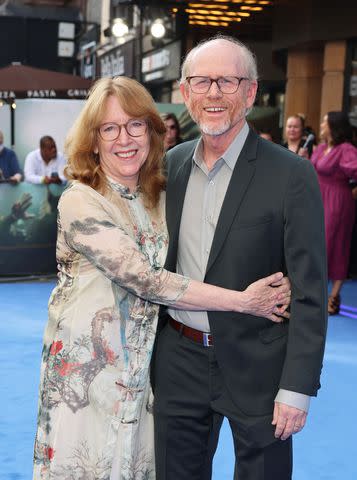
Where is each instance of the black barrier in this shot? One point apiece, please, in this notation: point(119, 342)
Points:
point(28, 229)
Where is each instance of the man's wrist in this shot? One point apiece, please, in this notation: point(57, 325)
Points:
point(294, 399)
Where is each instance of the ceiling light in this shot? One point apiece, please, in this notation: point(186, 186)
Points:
point(158, 29)
point(119, 28)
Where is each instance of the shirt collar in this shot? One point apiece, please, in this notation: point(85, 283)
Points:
point(230, 156)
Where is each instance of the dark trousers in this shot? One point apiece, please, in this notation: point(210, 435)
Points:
point(191, 401)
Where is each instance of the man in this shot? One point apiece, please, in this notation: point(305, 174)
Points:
point(45, 165)
point(9, 165)
point(238, 208)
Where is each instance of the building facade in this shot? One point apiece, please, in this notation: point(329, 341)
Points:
point(306, 50)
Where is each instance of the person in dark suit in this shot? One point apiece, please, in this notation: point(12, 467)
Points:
point(238, 208)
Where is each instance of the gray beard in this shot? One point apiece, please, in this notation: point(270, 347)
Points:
point(215, 131)
point(212, 131)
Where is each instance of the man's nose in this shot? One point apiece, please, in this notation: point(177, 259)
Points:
point(214, 90)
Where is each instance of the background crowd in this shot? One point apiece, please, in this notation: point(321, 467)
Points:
point(332, 152)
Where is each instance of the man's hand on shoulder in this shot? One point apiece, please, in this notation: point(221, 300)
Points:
point(288, 420)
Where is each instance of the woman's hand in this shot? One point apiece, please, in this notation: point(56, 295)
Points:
point(303, 152)
point(269, 297)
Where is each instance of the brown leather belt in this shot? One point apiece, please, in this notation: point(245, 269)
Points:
point(203, 338)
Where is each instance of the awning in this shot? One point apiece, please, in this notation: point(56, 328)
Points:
point(20, 81)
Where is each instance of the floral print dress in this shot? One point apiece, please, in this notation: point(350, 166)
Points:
point(95, 407)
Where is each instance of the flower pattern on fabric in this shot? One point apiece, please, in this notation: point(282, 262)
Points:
point(68, 374)
point(95, 406)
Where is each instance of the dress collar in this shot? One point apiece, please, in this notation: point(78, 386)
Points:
point(123, 190)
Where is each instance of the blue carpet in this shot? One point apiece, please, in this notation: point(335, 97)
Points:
point(325, 450)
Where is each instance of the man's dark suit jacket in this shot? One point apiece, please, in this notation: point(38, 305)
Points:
point(271, 220)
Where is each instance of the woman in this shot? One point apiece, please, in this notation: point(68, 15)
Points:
point(335, 161)
point(95, 417)
point(173, 131)
point(295, 138)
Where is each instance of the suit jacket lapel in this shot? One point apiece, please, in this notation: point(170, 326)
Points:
point(241, 177)
point(175, 197)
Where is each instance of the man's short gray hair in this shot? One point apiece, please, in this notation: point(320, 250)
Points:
point(249, 60)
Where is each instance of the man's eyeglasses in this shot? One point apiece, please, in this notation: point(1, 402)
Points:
point(227, 85)
point(111, 131)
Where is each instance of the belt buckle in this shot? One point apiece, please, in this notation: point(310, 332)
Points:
point(206, 339)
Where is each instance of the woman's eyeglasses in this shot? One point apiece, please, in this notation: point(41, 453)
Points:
point(111, 131)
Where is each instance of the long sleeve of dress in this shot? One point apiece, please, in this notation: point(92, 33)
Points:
point(90, 230)
point(348, 161)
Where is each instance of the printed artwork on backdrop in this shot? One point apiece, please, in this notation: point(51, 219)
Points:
point(28, 228)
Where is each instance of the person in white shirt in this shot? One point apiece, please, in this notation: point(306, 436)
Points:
point(45, 164)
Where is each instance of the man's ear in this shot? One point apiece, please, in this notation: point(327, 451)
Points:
point(184, 91)
point(251, 93)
